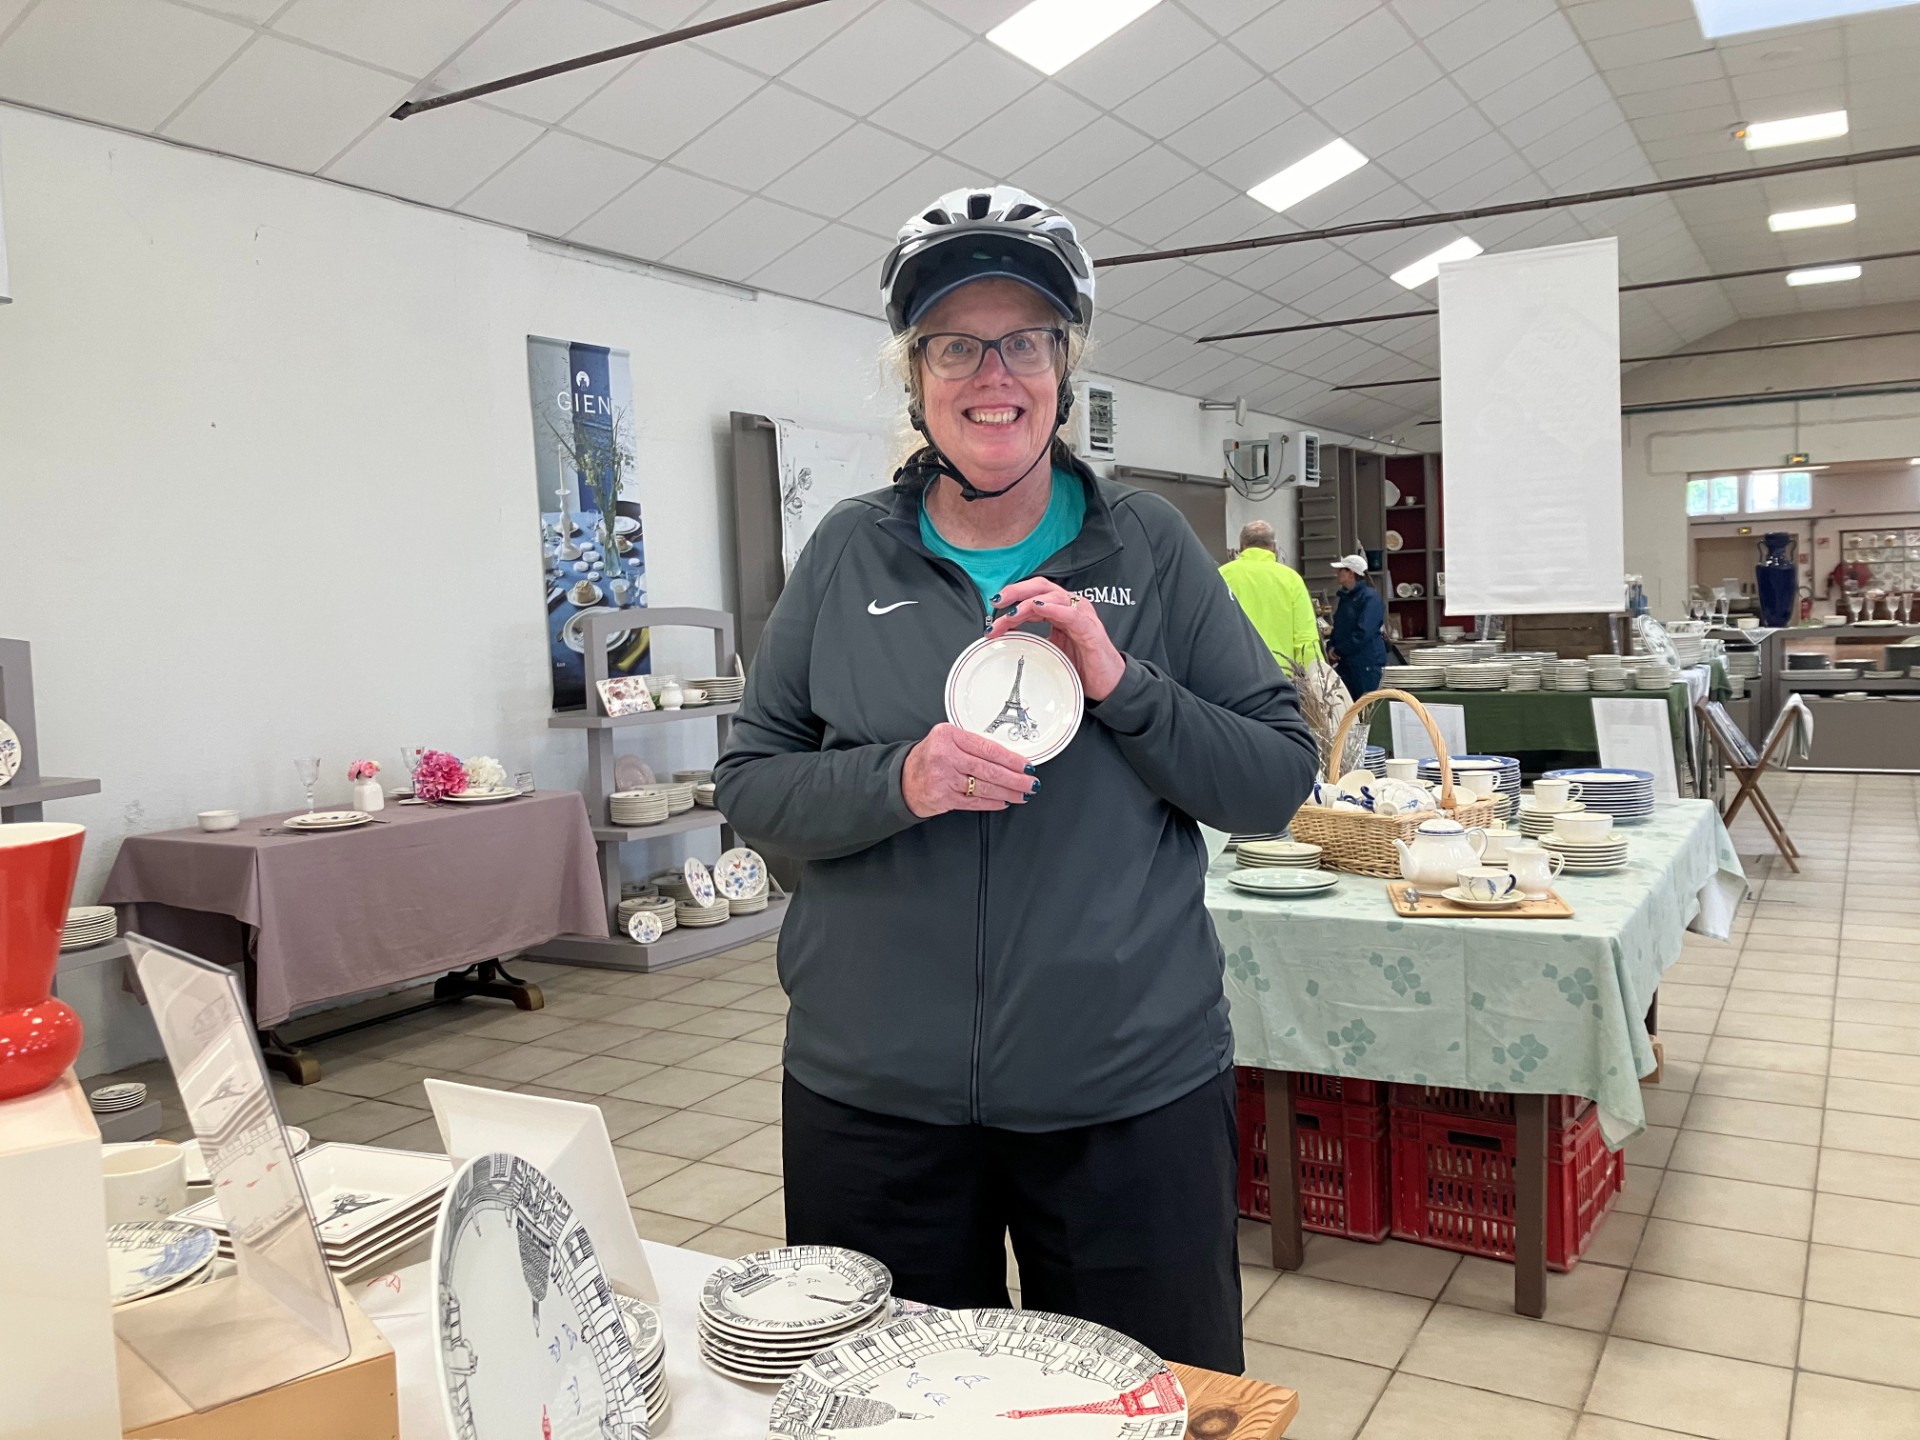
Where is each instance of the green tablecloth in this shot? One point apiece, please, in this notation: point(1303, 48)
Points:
point(1502, 722)
point(1340, 985)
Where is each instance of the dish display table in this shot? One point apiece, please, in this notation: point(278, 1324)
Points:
point(1543, 729)
point(707, 1406)
point(318, 917)
point(1338, 984)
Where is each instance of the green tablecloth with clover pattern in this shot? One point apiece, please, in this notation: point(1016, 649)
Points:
point(1338, 984)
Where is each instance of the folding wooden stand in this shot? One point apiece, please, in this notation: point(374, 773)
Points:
point(1748, 765)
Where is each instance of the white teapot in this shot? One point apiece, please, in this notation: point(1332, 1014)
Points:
point(1441, 849)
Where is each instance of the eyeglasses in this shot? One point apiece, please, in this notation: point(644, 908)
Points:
point(955, 356)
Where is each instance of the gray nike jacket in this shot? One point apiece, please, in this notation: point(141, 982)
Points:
point(1045, 966)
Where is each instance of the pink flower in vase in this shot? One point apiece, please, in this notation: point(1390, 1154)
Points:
point(363, 770)
point(438, 775)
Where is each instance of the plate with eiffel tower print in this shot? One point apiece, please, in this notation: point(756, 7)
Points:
point(983, 1373)
point(1018, 690)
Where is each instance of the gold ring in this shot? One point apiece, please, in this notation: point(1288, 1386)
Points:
point(970, 787)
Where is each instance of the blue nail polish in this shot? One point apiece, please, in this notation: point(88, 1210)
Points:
point(1032, 771)
point(996, 598)
point(1036, 788)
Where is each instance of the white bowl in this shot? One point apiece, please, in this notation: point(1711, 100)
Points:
point(1583, 828)
point(219, 819)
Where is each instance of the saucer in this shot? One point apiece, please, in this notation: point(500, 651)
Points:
point(1457, 896)
point(1019, 691)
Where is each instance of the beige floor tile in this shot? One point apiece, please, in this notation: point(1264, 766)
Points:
point(1395, 1265)
point(1787, 981)
point(1850, 1221)
point(1664, 1106)
point(520, 1063)
point(1872, 1177)
point(1735, 1157)
point(1335, 1395)
point(1861, 967)
point(729, 1242)
point(1254, 1283)
point(1506, 1353)
point(658, 1014)
point(665, 1047)
point(1864, 1280)
point(1900, 1014)
point(748, 1100)
point(1601, 1427)
point(1768, 1055)
point(1773, 1002)
point(706, 1192)
point(1780, 1087)
point(1637, 1194)
point(692, 1135)
point(1794, 1029)
point(453, 1052)
point(1696, 971)
point(1792, 937)
point(1826, 1408)
point(364, 1121)
point(1852, 931)
point(1873, 1097)
point(1681, 1045)
point(739, 1058)
point(302, 1104)
point(774, 1034)
point(766, 1216)
point(650, 987)
point(1876, 1065)
point(666, 1229)
point(1617, 1242)
point(1736, 1258)
point(715, 992)
point(600, 1074)
point(675, 1087)
point(1754, 1119)
point(641, 1168)
point(1905, 992)
point(722, 1024)
point(1652, 1146)
point(368, 1076)
point(1735, 1205)
point(1348, 1321)
point(769, 1000)
point(1691, 1315)
point(1414, 1408)
point(1868, 1345)
point(759, 1150)
point(1688, 1019)
point(1881, 1134)
point(1581, 1299)
point(594, 1037)
point(521, 1026)
point(1675, 992)
point(579, 1004)
point(421, 1135)
point(1900, 950)
point(1696, 1394)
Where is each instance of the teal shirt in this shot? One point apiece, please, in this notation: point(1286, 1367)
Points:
point(993, 570)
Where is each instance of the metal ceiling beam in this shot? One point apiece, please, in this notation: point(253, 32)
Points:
point(601, 57)
point(1523, 207)
point(1624, 289)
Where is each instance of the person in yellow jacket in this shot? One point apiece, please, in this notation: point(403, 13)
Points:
point(1273, 595)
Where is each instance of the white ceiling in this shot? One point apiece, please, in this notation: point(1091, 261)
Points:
point(784, 154)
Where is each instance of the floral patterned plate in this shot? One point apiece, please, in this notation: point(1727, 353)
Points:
point(699, 882)
point(740, 874)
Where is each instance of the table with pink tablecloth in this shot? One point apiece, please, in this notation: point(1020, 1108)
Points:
point(334, 914)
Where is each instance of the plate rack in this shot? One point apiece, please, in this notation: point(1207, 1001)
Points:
point(597, 728)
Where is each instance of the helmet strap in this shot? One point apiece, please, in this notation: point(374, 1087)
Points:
point(932, 463)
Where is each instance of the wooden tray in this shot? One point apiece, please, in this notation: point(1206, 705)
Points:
point(1430, 905)
point(1234, 1407)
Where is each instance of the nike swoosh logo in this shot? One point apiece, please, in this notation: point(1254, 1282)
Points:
point(874, 607)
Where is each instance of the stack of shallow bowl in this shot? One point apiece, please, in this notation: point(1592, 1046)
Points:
point(630, 808)
point(1257, 854)
point(1479, 675)
point(679, 796)
point(662, 906)
point(1589, 857)
point(1413, 676)
point(1535, 823)
point(1610, 672)
point(765, 1315)
point(721, 689)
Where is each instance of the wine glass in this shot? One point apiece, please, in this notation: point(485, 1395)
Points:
point(308, 769)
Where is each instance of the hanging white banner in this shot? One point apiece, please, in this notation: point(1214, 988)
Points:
point(1530, 408)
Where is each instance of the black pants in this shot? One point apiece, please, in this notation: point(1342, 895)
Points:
point(1131, 1224)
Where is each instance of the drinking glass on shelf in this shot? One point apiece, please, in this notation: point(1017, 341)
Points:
point(308, 769)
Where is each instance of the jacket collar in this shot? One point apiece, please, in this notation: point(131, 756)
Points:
point(1258, 555)
point(1098, 540)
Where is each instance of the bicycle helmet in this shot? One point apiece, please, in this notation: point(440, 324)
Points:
point(996, 232)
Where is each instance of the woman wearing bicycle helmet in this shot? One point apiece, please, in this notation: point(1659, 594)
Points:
point(1007, 1017)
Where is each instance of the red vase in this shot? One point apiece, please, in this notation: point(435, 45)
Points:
point(39, 1035)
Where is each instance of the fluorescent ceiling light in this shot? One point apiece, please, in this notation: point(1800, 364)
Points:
point(1049, 34)
point(1790, 470)
point(1811, 219)
point(1738, 17)
point(1306, 177)
point(1421, 271)
point(1765, 134)
point(1823, 275)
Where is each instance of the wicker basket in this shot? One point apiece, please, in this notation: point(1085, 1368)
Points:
point(1361, 843)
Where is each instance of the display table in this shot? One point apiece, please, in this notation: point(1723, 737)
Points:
point(320, 917)
point(1543, 729)
point(706, 1405)
point(1338, 984)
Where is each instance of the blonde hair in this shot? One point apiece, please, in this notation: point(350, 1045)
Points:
point(899, 361)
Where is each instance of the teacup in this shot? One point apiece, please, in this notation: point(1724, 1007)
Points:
point(1498, 839)
point(1535, 868)
point(1477, 782)
point(1486, 882)
point(693, 695)
point(1584, 826)
point(144, 1182)
point(1403, 769)
point(1554, 794)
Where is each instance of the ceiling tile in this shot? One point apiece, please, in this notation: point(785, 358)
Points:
point(850, 167)
point(883, 212)
point(662, 212)
point(1549, 43)
point(413, 39)
point(1152, 172)
point(1659, 42)
point(437, 157)
point(774, 130)
point(128, 65)
point(1587, 104)
point(1691, 96)
point(978, 83)
point(1189, 92)
point(1406, 76)
point(539, 32)
point(249, 12)
point(977, 16)
point(1082, 157)
point(888, 49)
point(1030, 126)
point(663, 101)
point(1435, 179)
point(771, 45)
point(857, 293)
point(1143, 52)
point(555, 184)
point(662, 14)
point(1234, 123)
point(1606, 18)
point(1473, 33)
point(1410, 160)
point(1536, 84)
point(748, 239)
point(1278, 34)
point(1173, 217)
point(1345, 58)
point(287, 105)
point(822, 261)
point(1667, 75)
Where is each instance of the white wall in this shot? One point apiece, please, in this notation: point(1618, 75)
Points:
point(266, 462)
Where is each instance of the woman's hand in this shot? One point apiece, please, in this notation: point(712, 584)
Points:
point(1077, 629)
point(954, 769)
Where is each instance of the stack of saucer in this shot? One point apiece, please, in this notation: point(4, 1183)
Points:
point(704, 904)
point(1536, 822)
point(679, 796)
point(89, 925)
point(672, 884)
point(1589, 857)
point(1413, 677)
point(703, 794)
point(1234, 842)
point(695, 916)
point(1609, 672)
point(1627, 795)
point(1654, 675)
point(692, 777)
point(1260, 854)
point(638, 807)
point(765, 1315)
point(1481, 675)
point(649, 1340)
point(661, 907)
point(1566, 675)
point(112, 1099)
point(1374, 758)
point(721, 689)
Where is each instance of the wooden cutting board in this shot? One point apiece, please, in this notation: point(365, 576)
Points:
point(1233, 1407)
point(1431, 905)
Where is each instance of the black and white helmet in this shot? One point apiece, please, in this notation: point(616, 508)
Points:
point(979, 233)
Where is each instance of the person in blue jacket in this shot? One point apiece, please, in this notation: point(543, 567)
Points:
point(1358, 643)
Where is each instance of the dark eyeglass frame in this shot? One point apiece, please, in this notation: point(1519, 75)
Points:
point(1059, 340)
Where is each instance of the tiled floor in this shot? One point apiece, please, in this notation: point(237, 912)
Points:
point(1759, 1278)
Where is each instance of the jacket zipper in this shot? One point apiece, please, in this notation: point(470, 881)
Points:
point(979, 977)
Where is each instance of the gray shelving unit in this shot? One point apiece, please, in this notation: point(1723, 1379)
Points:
point(676, 947)
point(22, 797)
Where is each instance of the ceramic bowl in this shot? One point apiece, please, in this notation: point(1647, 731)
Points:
point(1586, 826)
point(219, 819)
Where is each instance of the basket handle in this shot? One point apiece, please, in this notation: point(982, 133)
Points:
point(1366, 702)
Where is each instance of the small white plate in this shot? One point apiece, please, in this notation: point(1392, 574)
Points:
point(9, 753)
point(1283, 880)
point(1458, 896)
point(481, 797)
point(328, 820)
point(644, 927)
point(145, 1257)
point(1019, 691)
point(794, 1290)
point(699, 883)
point(740, 874)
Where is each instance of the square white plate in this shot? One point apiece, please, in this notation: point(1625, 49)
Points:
point(354, 1189)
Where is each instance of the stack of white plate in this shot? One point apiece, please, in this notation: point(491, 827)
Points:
point(89, 925)
point(1283, 880)
point(1413, 677)
point(638, 807)
point(649, 1340)
point(199, 1175)
point(1480, 675)
point(765, 1315)
point(1611, 681)
point(721, 689)
point(1505, 768)
point(662, 907)
point(1535, 822)
point(112, 1099)
point(151, 1257)
point(1234, 842)
point(672, 884)
point(694, 915)
point(1627, 795)
point(368, 1203)
point(692, 777)
point(1523, 680)
point(1691, 649)
point(1565, 675)
point(1743, 664)
point(679, 796)
point(1266, 854)
point(703, 794)
point(1655, 676)
point(1374, 758)
point(1589, 857)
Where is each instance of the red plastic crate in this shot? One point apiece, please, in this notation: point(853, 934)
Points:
point(1453, 1183)
point(1562, 1110)
point(1342, 1134)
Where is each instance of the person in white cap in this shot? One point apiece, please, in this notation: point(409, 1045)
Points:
point(1358, 643)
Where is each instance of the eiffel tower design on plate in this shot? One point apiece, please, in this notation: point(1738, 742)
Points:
point(1013, 714)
